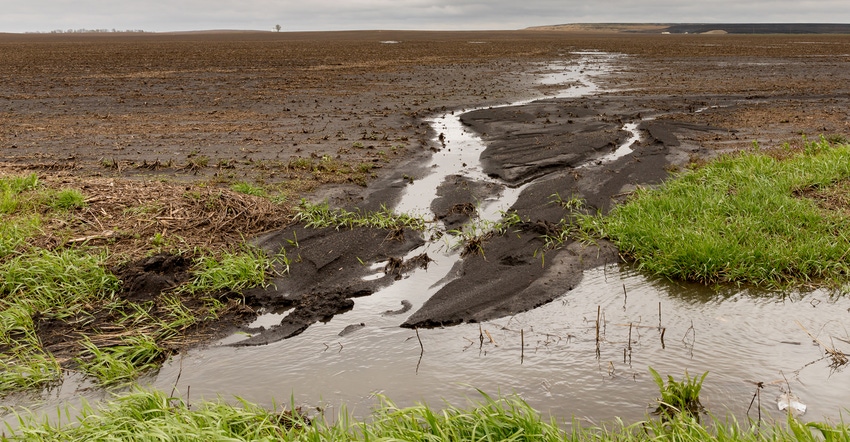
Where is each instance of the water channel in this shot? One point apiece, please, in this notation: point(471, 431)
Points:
point(550, 356)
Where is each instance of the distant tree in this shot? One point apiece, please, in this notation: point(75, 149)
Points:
point(277, 28)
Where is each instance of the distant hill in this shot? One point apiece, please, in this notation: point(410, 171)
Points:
point(702, 28)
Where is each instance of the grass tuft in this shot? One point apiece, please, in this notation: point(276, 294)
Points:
point(742, 218)
point(321, 215)
point(233, 271)
point(678, 397)
point(67, 199)
point(120, 364)
point(249, 189)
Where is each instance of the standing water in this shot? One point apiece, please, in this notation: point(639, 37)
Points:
point(585, 355)
point(740, 338)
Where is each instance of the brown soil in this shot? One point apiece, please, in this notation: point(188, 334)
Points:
point(154, 129)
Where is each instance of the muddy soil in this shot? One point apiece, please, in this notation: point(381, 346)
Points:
point(339, 116)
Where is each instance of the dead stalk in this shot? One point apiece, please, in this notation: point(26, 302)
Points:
point(490, 337)
point(521, 346)
point(659, 314)
point(598, 315)
point(421, 350)
point(838, 357)
point(625, 296)
point(480, 337)
point(421, 347)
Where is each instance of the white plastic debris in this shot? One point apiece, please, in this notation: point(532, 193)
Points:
point(789, 401)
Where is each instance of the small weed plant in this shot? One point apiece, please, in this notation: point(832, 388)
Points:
point(249, 189)
point(471, 236)
point(678, 397)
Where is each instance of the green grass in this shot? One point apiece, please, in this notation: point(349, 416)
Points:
point(27, 367)
point(321, 215)
point(249, 189)
point(50, 285)
point(234, 271)
point(742, 218)
point(71, 288)
point(471, 236)
point(67, 199)
point(10, 189)
point(22, 193)
point(122, 363)
point(144, 415)
point(55, 283)
point(72, 285)
point(678, 396)
point(15, 231)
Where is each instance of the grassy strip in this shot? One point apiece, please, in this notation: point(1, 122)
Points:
point(115, 340)
point(151, 415)
point(742, 218)
point(51, 286)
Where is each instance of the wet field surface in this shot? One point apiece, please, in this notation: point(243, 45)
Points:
point(585, 349)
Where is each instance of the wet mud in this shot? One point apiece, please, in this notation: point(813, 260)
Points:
point(514, 272)
point(348, 101)
point(554, 149)
point(147, 278)
point(327, 271)
point(554, 145)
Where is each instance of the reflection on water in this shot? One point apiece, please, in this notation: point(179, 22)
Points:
point(738, 337)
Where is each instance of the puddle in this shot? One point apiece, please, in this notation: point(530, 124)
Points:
point(550, 355)
point(739, 338)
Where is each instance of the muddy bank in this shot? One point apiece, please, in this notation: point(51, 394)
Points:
point(557, 148)
point(515, 272)
point(553, 150)
point(328, 267)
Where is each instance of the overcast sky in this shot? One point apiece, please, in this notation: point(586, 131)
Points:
point(318, 15)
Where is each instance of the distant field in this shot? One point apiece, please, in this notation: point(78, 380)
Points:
point(701, 28)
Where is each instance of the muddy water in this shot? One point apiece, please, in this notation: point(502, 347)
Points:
point(461, 147)
point(738, 337)
point(555, 356)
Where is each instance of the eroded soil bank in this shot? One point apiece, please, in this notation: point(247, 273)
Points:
point(322, 115)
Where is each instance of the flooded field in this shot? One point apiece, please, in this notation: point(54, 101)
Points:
point(740, 337)
point(587, 353)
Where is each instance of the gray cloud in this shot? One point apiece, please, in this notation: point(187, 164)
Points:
point(303, 15)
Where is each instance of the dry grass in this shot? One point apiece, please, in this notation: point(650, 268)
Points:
point(131, 218)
